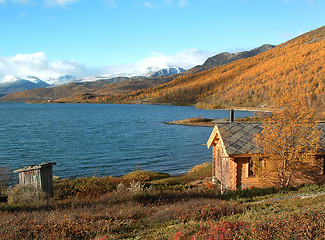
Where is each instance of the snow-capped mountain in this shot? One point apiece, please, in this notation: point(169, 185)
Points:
point(62, 80)
point(165, 72)
point(12, 84)
point(149, 73)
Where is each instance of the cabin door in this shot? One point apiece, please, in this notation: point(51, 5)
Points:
point(239, 174)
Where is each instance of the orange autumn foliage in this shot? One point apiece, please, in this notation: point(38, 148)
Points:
point(289, 142)
point(298, 64)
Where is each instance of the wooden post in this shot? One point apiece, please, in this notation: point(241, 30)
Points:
point(41, 176)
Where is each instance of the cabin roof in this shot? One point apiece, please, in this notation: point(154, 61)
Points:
point(238, 136)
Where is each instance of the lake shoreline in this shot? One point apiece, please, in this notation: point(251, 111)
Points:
point(209, 122)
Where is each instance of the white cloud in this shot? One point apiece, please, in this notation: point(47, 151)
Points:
point(21, 1)
point(149, 5)
point(59, 2)
point(160, 4)
point(182, 3)
point(50, 3)
point(37, 64)
point(110, 3)
point(185, 59)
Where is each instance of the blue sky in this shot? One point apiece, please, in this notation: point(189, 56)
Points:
point(55, 37)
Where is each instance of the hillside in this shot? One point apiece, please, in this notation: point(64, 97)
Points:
point(297, 65)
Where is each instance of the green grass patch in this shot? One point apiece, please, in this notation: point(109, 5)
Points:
point(145, 176)
point(198, 172)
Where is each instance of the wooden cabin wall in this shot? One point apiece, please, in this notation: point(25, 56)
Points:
point(315, 174)
point(223, 166)
point(243, 180)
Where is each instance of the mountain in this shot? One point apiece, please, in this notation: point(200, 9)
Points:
point(149, 73)
point(85, 90)
point(166, 72)
point(68, 85)
point(65, 79)
point(15, 84)
point(297, 66)
point(226, 58)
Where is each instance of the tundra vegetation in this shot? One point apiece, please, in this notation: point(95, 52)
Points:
point(149, 205)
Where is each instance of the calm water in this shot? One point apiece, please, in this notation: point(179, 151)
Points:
point(103, 139)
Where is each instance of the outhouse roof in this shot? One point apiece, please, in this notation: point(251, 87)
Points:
point(35, 167)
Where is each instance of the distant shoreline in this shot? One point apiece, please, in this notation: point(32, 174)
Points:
point(209, 122)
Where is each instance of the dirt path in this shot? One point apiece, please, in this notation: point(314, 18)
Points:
point(301, 196)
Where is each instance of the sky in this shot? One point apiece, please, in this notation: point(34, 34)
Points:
point(51, 38)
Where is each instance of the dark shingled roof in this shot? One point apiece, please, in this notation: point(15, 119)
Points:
point(238, 137)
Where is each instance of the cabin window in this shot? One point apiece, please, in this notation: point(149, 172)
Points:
point(250, 168)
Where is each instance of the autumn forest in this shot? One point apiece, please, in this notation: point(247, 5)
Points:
point(297, 65)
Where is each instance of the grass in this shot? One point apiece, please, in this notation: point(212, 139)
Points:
point(160, 206)
point(197, 173)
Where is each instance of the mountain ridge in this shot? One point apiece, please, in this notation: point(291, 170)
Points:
point(16, 84)
point(226, 58)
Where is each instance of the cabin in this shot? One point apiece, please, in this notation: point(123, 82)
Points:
point(232, 149)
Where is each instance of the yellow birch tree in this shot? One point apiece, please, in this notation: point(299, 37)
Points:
point(288, 142)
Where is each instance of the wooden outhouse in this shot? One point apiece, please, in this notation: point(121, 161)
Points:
point(41, 176)
point(233, 146)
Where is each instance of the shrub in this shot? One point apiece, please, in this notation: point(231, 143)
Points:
point(121, 188)
point(311, 188)
point(90, 187)
point(143, 176)
point(136, 187)
point(246, 195)
point(208, 230)
point(5, 177)
point(138, 176)
point(26, 194)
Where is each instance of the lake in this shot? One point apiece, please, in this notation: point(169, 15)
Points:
point(103, 139)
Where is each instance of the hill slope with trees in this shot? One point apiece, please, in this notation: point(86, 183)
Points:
point(297, 65)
